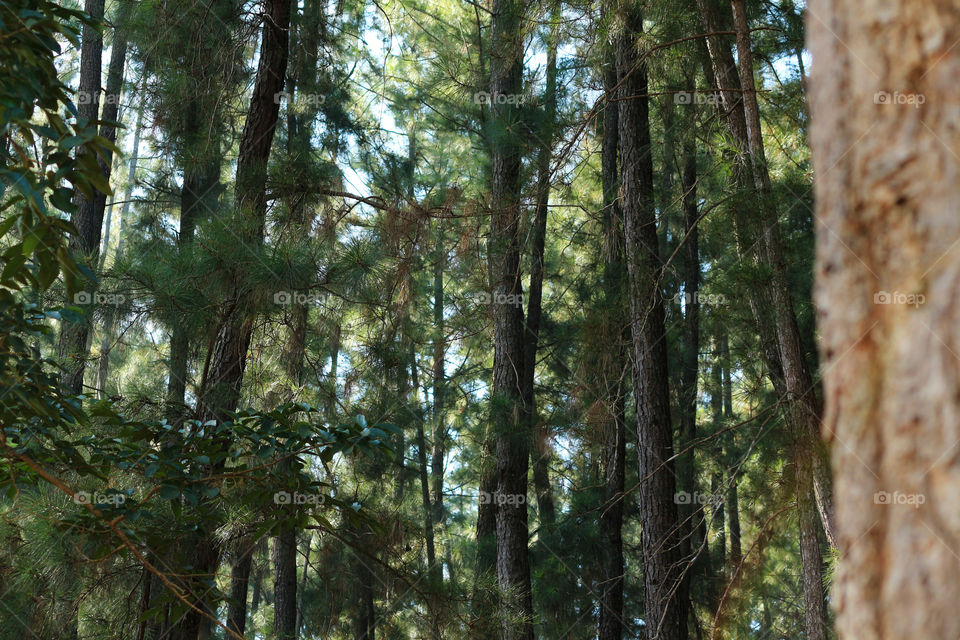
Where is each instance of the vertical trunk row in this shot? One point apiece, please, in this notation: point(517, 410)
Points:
point(789, 371)
point(661, 536)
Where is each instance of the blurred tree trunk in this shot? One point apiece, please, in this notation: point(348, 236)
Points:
point(884, 134)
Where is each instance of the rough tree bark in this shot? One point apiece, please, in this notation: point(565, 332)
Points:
point(884, 133)
point(511, 439)
point(661, 537)
point(285, 584)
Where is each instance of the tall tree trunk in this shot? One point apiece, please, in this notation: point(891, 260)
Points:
point(717, 479)
point(804, 410)
point(424, 474)
point(611, 625)
point(225, 375)
point(200, 176)
point(145, 588)
point(433, 568)
point(541, 451)
point(111, 110)
point(884, 131)
point(106, 341)
point(439, 391)
point(512, 440)
point(691, 514)
point(85, 244)
point(364, 624)
point(733, 500)
point(257, 571)
point(664, 596)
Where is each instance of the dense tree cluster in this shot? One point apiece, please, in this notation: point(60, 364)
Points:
point(434, 319)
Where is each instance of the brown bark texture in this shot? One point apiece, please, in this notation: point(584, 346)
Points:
point(884, 132)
